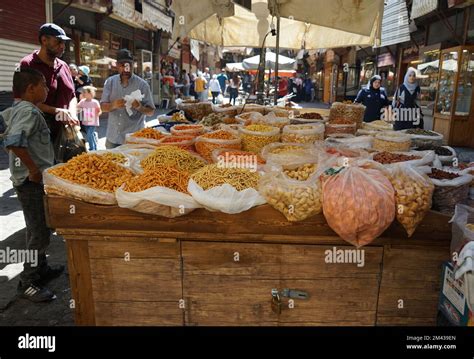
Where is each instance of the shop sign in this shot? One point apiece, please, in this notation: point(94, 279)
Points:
point(410, 53)
point(385, 59)
point(125, 9)
point(175, 52)
point(422, 7)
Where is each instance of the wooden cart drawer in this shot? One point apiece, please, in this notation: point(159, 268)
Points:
point(136, 283)
point(221, 290)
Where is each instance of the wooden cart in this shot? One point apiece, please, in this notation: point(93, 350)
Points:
point(128, 268)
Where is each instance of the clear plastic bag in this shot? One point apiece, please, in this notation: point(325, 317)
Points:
point(392, 141)
point(413, 195)
point(288, 153)
point(255, 141)
point(461, 234)
point(362, 142)
point(160, 201)
point(225, 198)
point(62, 187)
point(226, 110)
point(273, 120)
point(187, 130)
point(309, 133)
point(425, 140)
point(293, 190)
point(359, 204)
point(205, 146)
point(335, 129)
point(248, 118)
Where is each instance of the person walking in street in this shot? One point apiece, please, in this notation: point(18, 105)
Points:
point(192, 81)
point(27, 140)
point(374, 98)
point(215, 88)
point(200, 87)
point(407, 97)
point(116, 87)
point(186, 83)
point(89, 115)
point(234, 86)
point(308, 89)
point(223, 81)
point(207, 75)
point(59, 109)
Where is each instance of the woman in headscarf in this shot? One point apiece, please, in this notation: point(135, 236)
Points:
point(374, 98)
point(406, 97)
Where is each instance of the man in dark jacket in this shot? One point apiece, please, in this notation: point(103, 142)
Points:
point(374, 98)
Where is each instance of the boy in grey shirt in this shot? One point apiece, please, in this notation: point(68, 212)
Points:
point(27, 139)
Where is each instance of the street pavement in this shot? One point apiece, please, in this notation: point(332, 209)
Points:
point(15, 311)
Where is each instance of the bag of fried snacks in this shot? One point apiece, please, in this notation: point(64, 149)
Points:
point(88, 177)
point(358, 203)
point(294, 190)
point(161, 191)
point(228, 190)
point(413, 195)
point(146, 135)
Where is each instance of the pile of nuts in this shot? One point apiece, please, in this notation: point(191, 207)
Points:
point(301, 173)
point(303, 133)
point(297, 201)
point(413, 196)
point(392, 142)
point(441, 175)
point(386, 158)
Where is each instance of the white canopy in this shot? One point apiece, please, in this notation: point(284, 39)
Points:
point(233, 25)
point(234, 67)
point(284, 63)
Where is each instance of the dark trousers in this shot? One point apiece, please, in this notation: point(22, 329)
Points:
point(38, 234)
point(214, 95)
point(234, 93)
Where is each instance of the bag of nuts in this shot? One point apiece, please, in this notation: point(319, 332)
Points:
point(294, 190)
point(303, 133)
point(413, 195)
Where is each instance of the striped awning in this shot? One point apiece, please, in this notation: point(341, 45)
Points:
point(395, 26)
point(422, 7)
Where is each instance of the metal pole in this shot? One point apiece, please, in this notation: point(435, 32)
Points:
point(276, 59)
point(261, 74)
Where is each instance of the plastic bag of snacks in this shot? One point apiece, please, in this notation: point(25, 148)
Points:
point(251, 107)
point(462, 228)
point(378, 125)
point(294, 190)
point(87, 177)
point(161, 191)
point(392, 141)
point(227, 109)
point(207, 143)
point(196, 110)
point(283, 153)
point(358, 203)
point(249, 118)
point(420, 137)
point(146, 135)
point(277, 121)
point(303, 133)
point(351, 142)
point(172, 156)
point(184, 142)
point(337, 112)
point(413, 195)
point(451, 188)
point(279, 112)
point(187, 130)
point(335, 129)
point(255, 137)
point(228, 190)
point(355, 113)
point(413, 158)
point(230, 158)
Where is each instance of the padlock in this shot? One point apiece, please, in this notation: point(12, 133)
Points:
point(276, 302)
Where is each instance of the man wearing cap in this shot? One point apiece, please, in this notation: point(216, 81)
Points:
point(116, 87)
point(60, 105)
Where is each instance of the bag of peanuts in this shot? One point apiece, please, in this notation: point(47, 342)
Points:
point(413, 195)
point(294, 190)
point(309, 133)
point(358, 203)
